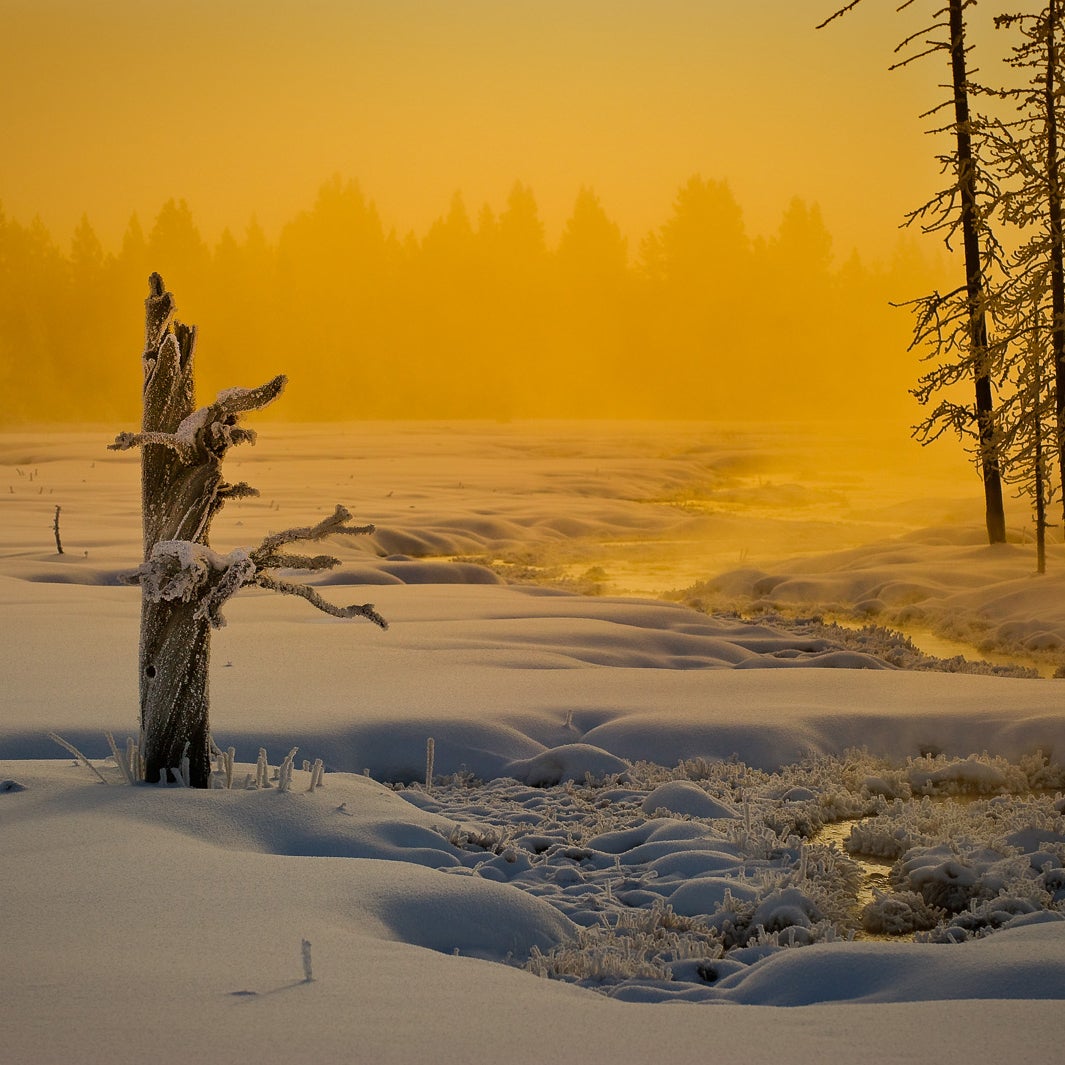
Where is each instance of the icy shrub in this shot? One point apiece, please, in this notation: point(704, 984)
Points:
point(786, 908)
point(1053, 881)
point(637, 944)
point(657, 891)
point(488, 838)
point(942, 878)
point(880, 837)
point(982, 918)
point(899, 913)
point(970, 776)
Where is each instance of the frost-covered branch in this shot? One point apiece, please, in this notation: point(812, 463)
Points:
point(305, 591)
point(128, 441)
point(332, 526)
point(267, 556)
point(838, 14)
point(210, 431)
point(240, 490)
point(308, 562)
point(181, 571)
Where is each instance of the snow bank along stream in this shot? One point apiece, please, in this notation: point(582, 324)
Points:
point(678, 880)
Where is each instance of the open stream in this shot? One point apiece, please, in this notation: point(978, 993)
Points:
point(935, 646)
point(874, 872)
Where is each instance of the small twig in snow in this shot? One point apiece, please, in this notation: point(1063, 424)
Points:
point(78, 756)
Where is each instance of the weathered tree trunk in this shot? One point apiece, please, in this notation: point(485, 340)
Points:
point(174, 645)
point(181, 491)
point(990, 467)
point(183, 582)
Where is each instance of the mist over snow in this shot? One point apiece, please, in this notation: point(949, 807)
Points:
point(813, 840)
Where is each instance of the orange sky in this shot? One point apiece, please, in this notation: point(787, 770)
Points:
point(245, 107)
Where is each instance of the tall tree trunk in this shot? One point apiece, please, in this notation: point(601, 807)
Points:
point(1057, 242)
point(1039, 486)
point(975, 287)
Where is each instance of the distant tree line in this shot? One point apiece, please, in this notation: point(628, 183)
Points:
point(476, 318)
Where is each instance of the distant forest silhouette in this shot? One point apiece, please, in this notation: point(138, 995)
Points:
point(476, 318)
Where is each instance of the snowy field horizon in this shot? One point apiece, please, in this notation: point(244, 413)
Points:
point(702, 734)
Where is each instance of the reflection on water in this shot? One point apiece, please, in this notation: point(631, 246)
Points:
point(874, 873)
point(930, 643)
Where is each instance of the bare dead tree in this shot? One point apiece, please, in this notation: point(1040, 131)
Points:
point(184, 583)
point(956, 324)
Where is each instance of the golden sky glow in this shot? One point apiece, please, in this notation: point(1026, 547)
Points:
point(245, 107)
point(670, 184)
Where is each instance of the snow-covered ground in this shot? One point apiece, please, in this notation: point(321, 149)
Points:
point(633, 803)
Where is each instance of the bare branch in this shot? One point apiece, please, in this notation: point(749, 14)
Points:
point(331, 526)
point(211, 428)
point(304, 591)
point(128, 441)
point(308, 562)
point(240, 490)
point(839, 14)
point(920, 33)
point(934, 47)
point(233, 401)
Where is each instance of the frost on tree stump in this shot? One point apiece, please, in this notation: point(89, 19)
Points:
point(184, 584)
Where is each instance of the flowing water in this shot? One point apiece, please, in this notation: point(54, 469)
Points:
point(874, 872)
point(935, 646)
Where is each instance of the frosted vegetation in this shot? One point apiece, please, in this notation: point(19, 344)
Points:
point(678, 878)
point(627, 800)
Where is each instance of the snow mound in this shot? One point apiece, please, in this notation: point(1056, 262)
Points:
point(570, 762)
point(686, 798)
point(1029, 964)
point(474, 917)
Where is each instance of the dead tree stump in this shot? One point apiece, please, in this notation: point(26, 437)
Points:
point(183, 582)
